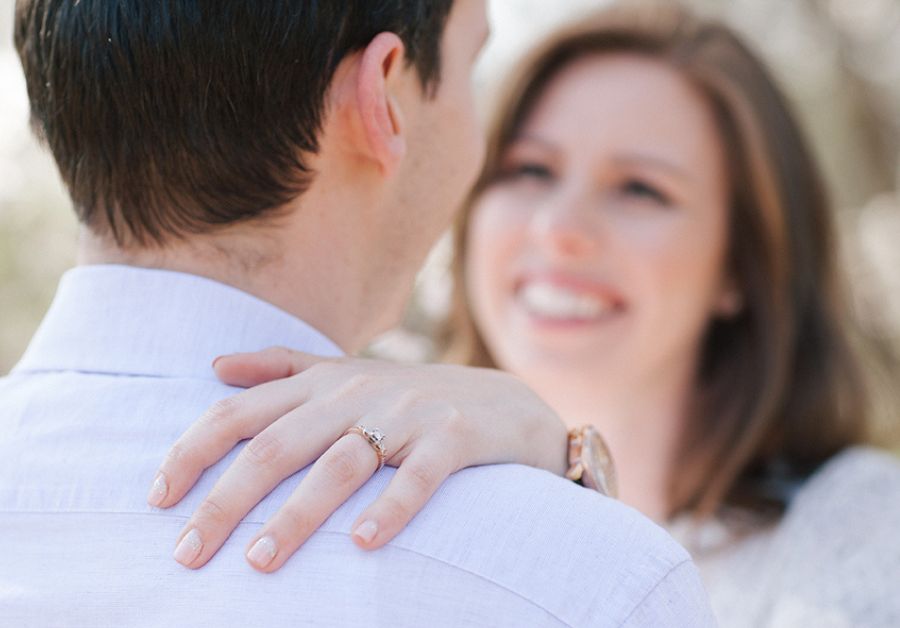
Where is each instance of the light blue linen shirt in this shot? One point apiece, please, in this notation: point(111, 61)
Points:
point(121, 367)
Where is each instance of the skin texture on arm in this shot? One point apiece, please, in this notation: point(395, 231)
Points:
point(438, 419)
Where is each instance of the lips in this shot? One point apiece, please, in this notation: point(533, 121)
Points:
point(561, 298)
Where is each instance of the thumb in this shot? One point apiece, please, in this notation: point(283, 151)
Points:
point(251, 369)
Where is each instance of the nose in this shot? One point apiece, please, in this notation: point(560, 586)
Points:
point(566, 225)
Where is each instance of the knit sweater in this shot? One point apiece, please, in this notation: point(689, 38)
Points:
point(832, 561)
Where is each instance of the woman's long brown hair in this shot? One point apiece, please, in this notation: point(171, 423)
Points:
point(779, 388)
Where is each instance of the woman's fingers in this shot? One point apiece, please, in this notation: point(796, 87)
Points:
point(415, 482)
point(346, 466)
point(250, 369)
point(223, 426)
point(273, 455)
point(441, 418)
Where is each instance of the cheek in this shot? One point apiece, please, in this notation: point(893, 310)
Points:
point(463, 136)
point(473, 145)
point(679, 269)
point(494, 244)
point(468, 127)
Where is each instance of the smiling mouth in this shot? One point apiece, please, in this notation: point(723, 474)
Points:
point(557, 303)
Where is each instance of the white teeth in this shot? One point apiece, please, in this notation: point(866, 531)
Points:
point(552, 301)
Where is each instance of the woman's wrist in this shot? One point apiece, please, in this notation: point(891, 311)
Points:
point(552, 445)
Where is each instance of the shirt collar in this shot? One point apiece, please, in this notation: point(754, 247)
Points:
point(126, 320)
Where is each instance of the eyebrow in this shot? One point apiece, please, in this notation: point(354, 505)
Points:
point(525, 138)
point(660, 163)
point(620, 159)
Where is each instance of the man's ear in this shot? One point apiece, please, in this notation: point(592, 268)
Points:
point(380, 72)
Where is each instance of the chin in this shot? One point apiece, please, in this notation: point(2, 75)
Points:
point(571, 364)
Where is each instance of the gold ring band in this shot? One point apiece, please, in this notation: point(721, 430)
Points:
point(375, 438)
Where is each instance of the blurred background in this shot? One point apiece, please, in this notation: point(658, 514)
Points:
point(839, 61)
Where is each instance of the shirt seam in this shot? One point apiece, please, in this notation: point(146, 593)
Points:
point(59, 370)
point(331, 532)
point(653, 590)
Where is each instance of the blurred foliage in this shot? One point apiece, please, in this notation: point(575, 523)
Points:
point(839, 61)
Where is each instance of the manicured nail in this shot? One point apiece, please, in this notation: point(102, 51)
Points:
point(366, 531)
point(262, 553)
point(189, 548)
point(158, 491)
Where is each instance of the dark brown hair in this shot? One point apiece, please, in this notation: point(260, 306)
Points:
point(167, 118)
point(780, 389)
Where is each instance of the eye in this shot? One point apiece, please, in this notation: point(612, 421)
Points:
point(636, 188)
point(525, 170)
point(531, 170)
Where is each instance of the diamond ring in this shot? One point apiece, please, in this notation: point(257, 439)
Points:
point(374, 437)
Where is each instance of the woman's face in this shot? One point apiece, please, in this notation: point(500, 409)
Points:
point(598, 256)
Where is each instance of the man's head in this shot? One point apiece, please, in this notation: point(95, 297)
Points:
point(175, 122)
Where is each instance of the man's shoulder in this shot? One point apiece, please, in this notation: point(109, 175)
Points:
point(534, 499)
point(569, 549)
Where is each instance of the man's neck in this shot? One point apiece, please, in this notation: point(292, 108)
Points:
point(301, 280)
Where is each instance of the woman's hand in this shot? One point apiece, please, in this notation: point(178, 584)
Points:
point(437, 419)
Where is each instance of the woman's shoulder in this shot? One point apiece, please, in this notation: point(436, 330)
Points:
point(833, 559)
point(838, 540)
point(859, 482)
point(861, 462)
point(849, 507)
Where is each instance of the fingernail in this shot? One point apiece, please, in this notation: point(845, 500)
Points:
point(263, 552)
point(366, 531)
point(189, 548)
point(158, 491)
point(216, 360)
